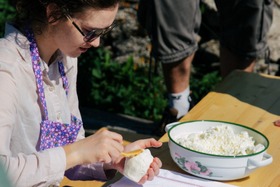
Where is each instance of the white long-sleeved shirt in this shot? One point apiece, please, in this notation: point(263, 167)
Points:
point(20, 113)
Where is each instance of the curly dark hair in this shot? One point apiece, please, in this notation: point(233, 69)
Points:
point(33, 12)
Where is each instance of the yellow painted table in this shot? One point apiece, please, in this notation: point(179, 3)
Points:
point(245, 98)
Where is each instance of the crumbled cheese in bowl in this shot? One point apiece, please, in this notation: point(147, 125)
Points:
point(221, 140)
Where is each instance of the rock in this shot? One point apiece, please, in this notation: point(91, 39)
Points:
point(274, 36)
point(130, 40)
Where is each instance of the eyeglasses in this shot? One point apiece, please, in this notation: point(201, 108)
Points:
point(95, 33)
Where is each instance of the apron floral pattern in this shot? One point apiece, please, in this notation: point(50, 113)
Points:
point(52, 134)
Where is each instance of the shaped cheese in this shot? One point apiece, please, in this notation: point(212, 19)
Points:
point(136, 167)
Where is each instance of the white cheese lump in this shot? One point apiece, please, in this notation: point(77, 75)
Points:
point(221, 140)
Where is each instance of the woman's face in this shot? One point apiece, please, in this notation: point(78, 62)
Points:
point(70, 41)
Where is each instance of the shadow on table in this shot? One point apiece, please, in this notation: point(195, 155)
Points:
point(254, 89)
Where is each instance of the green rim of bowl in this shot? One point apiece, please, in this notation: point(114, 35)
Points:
point(225, 156)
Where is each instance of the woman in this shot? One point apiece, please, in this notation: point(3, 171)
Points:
point(41, 131)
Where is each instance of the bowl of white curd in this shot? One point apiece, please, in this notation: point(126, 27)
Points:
point(217, 150)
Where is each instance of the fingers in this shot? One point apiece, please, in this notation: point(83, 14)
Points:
point(105, 132)
point(111, 150)
point(116, 150)
point(102, 129)
point(156, 165)
point(103, 146)
point(143, 180)
point(155, 143)
point(152, 171)
point(112, 143)
point(148, 177)
point(151, 142)
point(115, 141)
point(143, 144)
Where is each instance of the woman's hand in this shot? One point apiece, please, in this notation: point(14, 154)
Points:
point(103, 146)
point(152, 171)
point(142, 144)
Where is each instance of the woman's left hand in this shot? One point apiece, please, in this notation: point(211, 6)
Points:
point(142, 144)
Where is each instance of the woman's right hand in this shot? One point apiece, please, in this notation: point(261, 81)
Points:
point(103, 146)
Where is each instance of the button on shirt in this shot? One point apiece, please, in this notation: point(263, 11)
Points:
point(20, 112)
point(51, 88)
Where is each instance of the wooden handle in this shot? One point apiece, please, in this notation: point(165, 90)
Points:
point(132, 153)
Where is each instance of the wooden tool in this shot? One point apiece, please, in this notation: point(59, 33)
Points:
point(132, 153)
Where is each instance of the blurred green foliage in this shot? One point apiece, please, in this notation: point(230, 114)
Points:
point(7, 12)
point(125, 88)
point(119, 87)
point(201, 85)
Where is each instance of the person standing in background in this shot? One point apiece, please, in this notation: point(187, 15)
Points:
point(173, 26)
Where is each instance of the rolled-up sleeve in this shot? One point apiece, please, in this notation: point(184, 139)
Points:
point(90, 172)
point(38, 169)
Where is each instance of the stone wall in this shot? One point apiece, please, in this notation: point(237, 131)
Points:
point(129, 39)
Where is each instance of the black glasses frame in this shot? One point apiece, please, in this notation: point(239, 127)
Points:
point(93, 34)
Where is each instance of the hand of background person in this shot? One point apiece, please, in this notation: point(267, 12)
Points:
point(103, 146)
point(142, 144)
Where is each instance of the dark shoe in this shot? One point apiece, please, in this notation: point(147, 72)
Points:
point(192, 103)
point(169, 116)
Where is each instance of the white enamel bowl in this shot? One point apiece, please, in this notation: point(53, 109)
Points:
point(215, 167)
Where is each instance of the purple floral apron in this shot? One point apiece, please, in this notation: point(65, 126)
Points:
point(52, 134)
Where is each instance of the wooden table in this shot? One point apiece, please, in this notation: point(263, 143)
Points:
point(248, 99)
point(245, 98)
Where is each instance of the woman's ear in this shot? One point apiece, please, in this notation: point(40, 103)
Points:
point(50, 8)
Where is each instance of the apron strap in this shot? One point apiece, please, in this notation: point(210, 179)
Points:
point(39, 75)
point(37, 72)
point(63, 76)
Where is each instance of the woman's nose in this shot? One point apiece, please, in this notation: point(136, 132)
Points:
point(95, 42)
